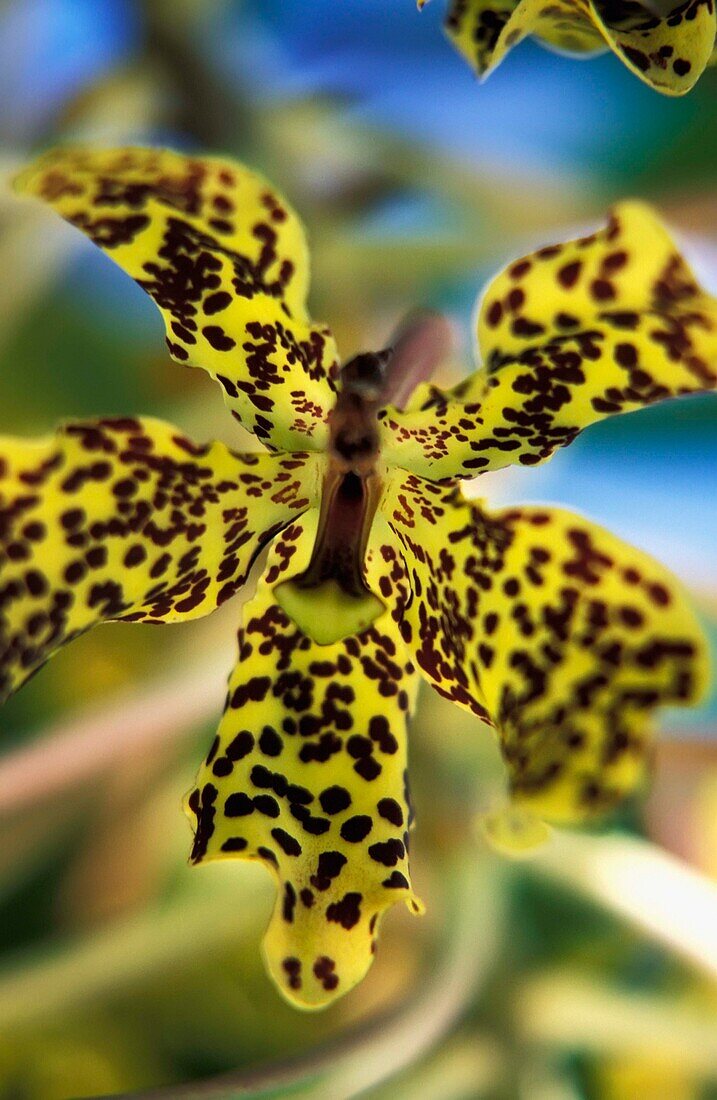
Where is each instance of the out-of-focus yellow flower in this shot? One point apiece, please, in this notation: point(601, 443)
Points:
point(650, 1076)
point(668, 51)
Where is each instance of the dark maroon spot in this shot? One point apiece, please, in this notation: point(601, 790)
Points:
point(334, 799)
point(270, 743)
point(234, 844)
point(390, 810)
point(240, 746)
point(218, 338)
point(396, 881)
point(346, 912)
point(356, 828)
point(286, 842)
point(238, 805)
point(387, 852)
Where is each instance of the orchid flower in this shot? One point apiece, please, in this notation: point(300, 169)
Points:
point(669, 50)
point(378, 570)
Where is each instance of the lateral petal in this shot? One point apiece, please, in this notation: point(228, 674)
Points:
point(128, 519)
point(552, 630)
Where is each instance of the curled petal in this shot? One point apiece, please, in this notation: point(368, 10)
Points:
point(307, 774)
point(485, 30)
point(225, 260)
point(668, 51)
point(568, 335)
point(128, 519)
point(552, 630)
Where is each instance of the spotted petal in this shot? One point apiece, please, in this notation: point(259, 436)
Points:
point(552, 630)
point(568, 335)
point(485, 30)
point(127, 519)
point(669, 52)
point(308, 775)
point(226, 261)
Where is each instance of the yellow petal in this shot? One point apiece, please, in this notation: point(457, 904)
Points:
point(225, 259)
point(128, 519)
point(308, 775)
point(553, 630)
point(669, 52)
point(568, 335)
point(485, 30)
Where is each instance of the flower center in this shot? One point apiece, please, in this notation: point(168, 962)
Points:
point(352, 483)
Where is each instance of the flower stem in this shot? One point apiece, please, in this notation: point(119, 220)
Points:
point(632, 878)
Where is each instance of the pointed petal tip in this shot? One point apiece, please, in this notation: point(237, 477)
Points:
point(325, 951)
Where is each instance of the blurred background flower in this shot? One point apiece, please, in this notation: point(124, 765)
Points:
point(121, 969)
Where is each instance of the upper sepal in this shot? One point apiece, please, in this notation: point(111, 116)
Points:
point(225, 259)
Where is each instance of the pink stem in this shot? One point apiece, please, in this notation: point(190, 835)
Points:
point(92, 742)
point(419, 345)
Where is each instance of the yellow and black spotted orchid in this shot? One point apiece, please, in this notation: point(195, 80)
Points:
point(668, 47)
point(379, 570)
